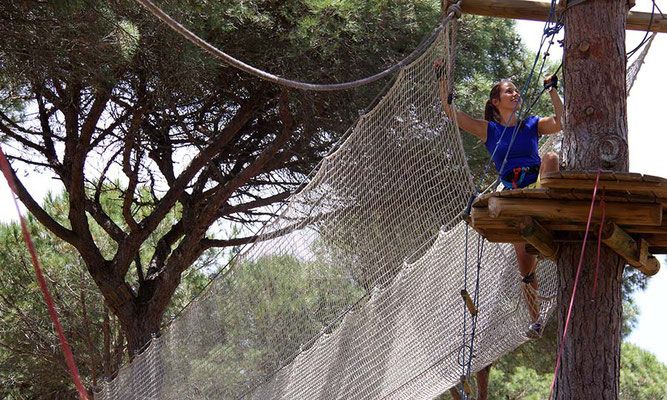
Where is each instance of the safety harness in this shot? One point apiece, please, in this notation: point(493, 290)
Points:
point(517, 176)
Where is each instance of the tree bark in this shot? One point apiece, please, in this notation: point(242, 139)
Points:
point(595, 136)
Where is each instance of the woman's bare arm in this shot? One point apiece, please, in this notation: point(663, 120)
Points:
point(476, 127)
point(549, 125)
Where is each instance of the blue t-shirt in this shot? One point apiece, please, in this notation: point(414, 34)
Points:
point(524, 152)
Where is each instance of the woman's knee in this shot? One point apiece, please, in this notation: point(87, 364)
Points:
point(550, 157)
point(550, 162)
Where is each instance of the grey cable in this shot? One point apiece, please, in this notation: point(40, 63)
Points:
point(209, 48)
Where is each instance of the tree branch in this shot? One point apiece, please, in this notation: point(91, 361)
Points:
point(5, 129)
point(132, 173)
point(227, 210)
point(42, 216)
point(132, 243)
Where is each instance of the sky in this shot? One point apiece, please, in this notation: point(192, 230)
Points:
point(648, 147)
point(647, 140)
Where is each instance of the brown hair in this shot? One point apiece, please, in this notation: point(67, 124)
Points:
point(491, 112)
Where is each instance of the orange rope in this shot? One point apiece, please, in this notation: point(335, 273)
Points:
point(4, 165)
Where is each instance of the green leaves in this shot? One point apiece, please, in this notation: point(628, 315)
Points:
point(643, 377)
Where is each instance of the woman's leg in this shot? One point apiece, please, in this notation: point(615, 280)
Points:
point(527, 261)
point(527, 264)
point(483, 382)
point(549, 163)
point(482, 385)
point(455, 393)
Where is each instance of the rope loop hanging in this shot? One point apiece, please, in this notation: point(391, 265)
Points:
point(219, 54)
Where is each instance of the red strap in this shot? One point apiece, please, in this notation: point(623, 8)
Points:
point(597, 262)
point(576, 281)
point(4, 165)
point(516, 171)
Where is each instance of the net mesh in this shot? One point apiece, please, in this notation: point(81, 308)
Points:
point(353, 291)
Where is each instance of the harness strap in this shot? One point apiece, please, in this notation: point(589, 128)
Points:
point(518, 176)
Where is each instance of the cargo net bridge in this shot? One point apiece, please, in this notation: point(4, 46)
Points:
point(354, 291)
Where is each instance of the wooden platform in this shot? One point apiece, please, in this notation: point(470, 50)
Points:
point(634, 203)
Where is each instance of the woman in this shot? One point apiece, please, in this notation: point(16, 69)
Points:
point(523, 167)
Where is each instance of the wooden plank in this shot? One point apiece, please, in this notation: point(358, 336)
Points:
point(646, 230)
point(657, 240)
point(565, 194)
point(657, 250)
point(630, 176)
point(482, 220)
point(538, 193)
point(578, 175)
point(481, 201)
point(652, 178)
point(604, 175)
point(539, 10)
point(564, 226)
point(571, 211)
point(552, 175)
point(659, 189)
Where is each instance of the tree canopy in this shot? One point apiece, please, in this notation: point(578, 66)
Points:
point(113, 100)
point(31, 361)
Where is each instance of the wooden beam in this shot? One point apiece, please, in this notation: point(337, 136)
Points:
point(482, 220)
point(657, 249)
point(575, 211)
point(652, 266)
point(636, 254)
point(659, 239)
point(540, 238)
point(658, 189)
point(501, 236)
point(539, 10)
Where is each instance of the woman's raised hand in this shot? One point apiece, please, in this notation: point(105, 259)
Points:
point(551, 82)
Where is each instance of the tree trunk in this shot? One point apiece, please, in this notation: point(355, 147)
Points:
point(595, 137)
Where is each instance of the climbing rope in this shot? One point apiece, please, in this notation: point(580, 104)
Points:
point(74, 372)
point(597, 262)
point(648, 30)
point(455, 12)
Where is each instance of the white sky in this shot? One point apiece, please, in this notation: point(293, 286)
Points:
point(648, 150)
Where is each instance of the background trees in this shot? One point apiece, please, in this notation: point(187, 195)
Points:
point(31, 361)
point(114, 100)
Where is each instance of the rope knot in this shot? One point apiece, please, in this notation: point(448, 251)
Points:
point(455, 8)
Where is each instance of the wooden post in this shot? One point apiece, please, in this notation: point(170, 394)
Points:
point(540, 238)
point(595, 136)
point(635, 253)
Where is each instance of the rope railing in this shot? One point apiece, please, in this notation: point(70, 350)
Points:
point(234, 62)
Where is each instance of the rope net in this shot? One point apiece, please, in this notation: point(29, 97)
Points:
point(353, 291)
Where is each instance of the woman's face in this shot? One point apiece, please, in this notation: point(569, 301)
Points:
point(509, 97)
